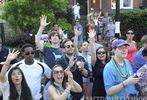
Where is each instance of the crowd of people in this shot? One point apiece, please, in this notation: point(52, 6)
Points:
point(75, 69)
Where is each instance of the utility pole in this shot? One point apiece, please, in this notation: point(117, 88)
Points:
point(117, 22)
point(117, 10)
point(2, 35)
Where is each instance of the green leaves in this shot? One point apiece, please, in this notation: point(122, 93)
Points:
point(135, 19)
point(26, 13)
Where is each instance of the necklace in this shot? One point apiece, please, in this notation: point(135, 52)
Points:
point(116, 66)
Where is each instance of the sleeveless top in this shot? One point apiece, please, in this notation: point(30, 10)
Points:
point(60, 91)
point(131, 51)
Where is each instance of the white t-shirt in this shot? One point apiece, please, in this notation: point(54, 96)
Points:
point(33, 75)
point(76, 9)
point(5, 88)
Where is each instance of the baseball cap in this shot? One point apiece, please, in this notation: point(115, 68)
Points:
point(118, 43)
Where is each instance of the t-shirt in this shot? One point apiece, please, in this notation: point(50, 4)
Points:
point(51, 55)
point(5, 89)
point(76, 9)
point(112, 78)
point(138, 61)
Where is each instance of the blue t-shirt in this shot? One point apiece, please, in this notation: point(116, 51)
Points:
point(51, 55)
point(112, 78)
point(138, 60)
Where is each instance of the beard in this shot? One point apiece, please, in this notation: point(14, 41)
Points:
point(70, 53)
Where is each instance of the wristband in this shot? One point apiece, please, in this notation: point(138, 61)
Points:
point(123, 85)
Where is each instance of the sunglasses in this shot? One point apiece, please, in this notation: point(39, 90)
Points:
point(58, 72)
point(28, 53)
point(68, 46)
point(101, 53)
point(131, 33)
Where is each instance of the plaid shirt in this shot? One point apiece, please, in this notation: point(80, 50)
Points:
point(143, 81)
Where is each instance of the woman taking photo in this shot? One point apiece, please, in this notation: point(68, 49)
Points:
point(13, 86)
point(61, 84)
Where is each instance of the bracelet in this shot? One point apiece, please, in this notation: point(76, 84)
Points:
point(123, 85)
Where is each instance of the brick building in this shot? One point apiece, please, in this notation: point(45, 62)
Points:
point(107, 5)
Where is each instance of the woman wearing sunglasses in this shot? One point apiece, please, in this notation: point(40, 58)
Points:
point(99, 59)
point(61, 84)
point(132, 45)
point(13, 87)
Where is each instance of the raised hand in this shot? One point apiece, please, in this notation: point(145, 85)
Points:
point(61, 31)
point(70, 78)
point(43, 21)
point(81, 65)
point(91, 33)
point(12, 55)
point(76, 32)
point(71, 63)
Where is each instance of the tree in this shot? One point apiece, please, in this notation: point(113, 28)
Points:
point(23, 15)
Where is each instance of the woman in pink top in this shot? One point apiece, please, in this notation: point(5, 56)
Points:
point(132, 48)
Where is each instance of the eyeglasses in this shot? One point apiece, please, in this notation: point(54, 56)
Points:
point(68, 46)
point(58, 72)
point(28, 53)
point(123, 47)
point(101, 52)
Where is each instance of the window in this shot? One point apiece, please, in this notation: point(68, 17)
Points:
point(124, 4)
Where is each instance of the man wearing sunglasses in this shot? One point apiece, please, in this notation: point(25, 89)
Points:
point(33, 70)
point(76, 64)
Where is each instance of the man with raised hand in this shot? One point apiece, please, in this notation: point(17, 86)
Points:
point(54, 51)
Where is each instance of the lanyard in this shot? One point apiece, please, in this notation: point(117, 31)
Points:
point(116, 66)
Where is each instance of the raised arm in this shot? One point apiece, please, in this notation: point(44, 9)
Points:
point(92, 39)
point(75, 87)
point(76, 33)
point(11, 56)
point(43, 23)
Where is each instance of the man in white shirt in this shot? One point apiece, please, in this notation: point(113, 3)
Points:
point(76, 11)
point(33, 70)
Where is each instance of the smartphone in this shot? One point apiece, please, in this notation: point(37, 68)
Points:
point(137, 75)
